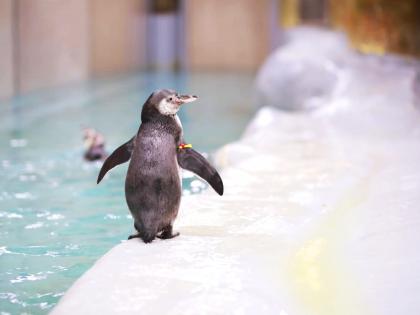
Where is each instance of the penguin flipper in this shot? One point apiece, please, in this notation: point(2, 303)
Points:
point(121, 155)
point(193, 161)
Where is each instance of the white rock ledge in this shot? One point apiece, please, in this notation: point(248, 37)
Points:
point(313, 222)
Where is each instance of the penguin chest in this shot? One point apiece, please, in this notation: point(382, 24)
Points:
point(153, 181)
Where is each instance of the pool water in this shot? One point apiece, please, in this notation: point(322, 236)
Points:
point(54, 220)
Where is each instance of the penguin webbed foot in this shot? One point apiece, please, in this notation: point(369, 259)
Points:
point(145, 239)
point(133, 236)
point(167, 233)
point(165, 236)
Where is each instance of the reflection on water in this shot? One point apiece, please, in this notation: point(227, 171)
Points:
point(54, 220)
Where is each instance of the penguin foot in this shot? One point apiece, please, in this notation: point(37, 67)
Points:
point(133, 236)
point(165, 236)
point(147, 238)
point(167, 233)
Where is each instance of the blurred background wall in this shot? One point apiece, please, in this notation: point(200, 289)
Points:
point(47, 43)
point(379, 26)
point(51, 43)
point(373, 26)
point(6, 49)
point(231, 34)
point(117, 35)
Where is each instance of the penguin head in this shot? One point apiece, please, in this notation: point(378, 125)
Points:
point(164, 103)
point(168, 102)
point(92, 138)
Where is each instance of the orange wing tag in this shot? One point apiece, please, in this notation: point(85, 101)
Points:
point(184, 146)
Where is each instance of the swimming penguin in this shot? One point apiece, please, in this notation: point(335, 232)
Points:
point(153, 182)
point(94, 143)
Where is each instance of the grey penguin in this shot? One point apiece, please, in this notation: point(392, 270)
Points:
point(156, 153)
point(94, 143)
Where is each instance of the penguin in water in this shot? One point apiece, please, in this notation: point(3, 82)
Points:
point(153, 182)
point(94, 143)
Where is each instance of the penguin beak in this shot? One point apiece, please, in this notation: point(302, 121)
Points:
point(182, 99)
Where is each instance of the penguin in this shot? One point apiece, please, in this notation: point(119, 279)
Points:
point(94, 143)
point(156, 154)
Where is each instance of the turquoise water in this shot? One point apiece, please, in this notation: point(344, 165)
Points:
point(54, 220)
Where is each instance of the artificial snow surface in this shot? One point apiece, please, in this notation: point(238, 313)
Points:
point(321, 215)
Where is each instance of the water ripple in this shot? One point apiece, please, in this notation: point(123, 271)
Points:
point(11, 215)
point(30, 277)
